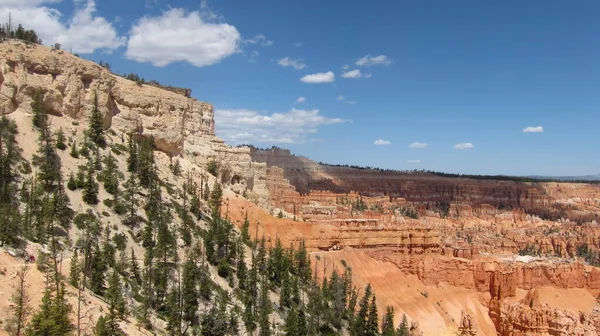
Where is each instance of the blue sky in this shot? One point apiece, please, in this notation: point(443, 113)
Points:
point(459, 80)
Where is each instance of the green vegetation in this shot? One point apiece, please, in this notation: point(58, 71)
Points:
point(185, 238)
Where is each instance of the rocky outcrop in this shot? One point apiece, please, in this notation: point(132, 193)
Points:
point(180, 125)
point(530, 317)
point(467, 325)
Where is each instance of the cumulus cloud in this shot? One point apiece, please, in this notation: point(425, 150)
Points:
point(299, 44)
point(374, 60)
point(340, 98)
point(288, 62)
point(82, 33)
point(382, 142)
point(418, 145)
point(352, 74)
point(413, 161)
point(533, 129)
point(179, 36)
point(25, 3)
point(248, 126)
point(464, 145)
point(260, 39)
point(319, 77)
point(301, 100)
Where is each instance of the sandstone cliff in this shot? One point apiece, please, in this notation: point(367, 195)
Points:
point(463, 196)
point(180, 125)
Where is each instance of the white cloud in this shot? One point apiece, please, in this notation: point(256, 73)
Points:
point(301, 100)
point(247, 126)
point(418, 145)
point(374, 60)
point(83, 32)
point(340, 98)
point(352, 74)
point(261, 40)
point(533, 129)
point(464, 145)
point(352, 102)
point(413, 161)
point(368, 75)
point(345, 67)
point(319, 77)
point(299, 44)
point(25, 3)
point(382, 142)
point(288, 62)
point(179, 36)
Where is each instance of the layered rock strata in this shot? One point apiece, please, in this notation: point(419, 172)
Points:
point(180, 125)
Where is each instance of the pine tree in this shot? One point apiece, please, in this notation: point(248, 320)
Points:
point(110, 174)
point(403, 329)
point(189, 291)
point(74, 153)
point(173, 310)
point(96, 127)
point(53, 316)
point(246, 229)
point(387, 325)
point(302, 262)
point(46, 158)
point(60, 210)
point(132, 155)
point(338, 299)
point(37, 107)
point(10, 156)
point(215, 200)
point(134, 269)
point(291, 323)
point(97, 268)
point(264, 309)
point(302, 324)
point(285, 296)
point(21, 303)
point(195, 206)
point(90, 189)
point(107, 326)
point(114, 296)
point(242, 268)
point(146, 166)
point(60, 139)
point(176, 168)
point(130, 196)
point(373, 320)
point(248, 317)
point(360, 326)
point(75, 271)
point(72, 184)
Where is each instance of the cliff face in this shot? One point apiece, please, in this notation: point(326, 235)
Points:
point(531, 317)
point(180, 125)
point(308, 176)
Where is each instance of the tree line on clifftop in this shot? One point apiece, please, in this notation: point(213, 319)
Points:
point(436, 173)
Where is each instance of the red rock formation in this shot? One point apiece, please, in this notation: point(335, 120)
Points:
point(530, 317)
point(467, 325)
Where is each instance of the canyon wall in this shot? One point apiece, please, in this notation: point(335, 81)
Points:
point(179, 124)
point(424, 189)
